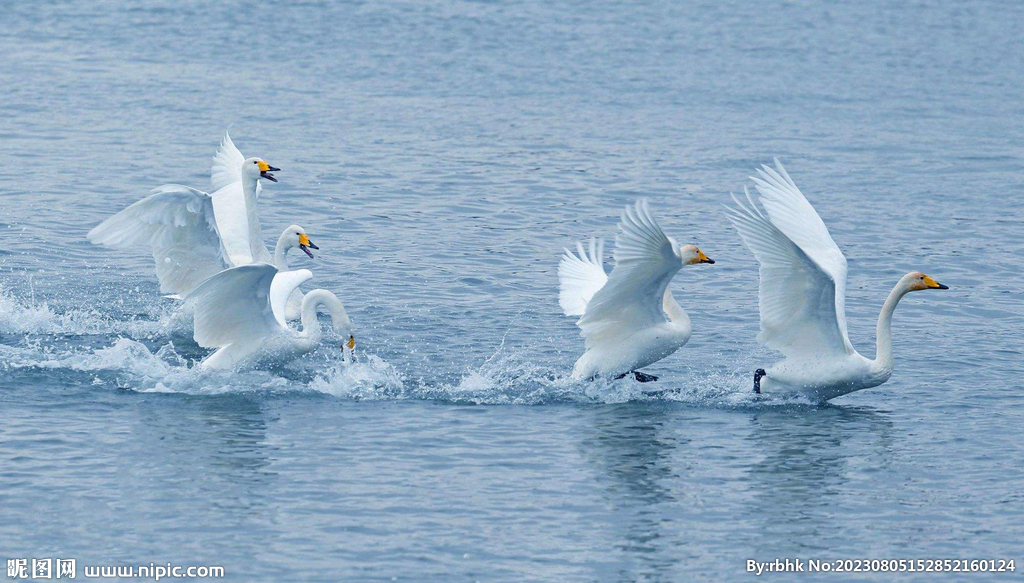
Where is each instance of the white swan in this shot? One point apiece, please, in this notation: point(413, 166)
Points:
point(802, 295)
point(240, 311)
point(235, 205)
point(181, 227)
point(629, 318)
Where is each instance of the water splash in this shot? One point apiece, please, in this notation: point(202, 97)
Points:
point(18, 316)
point(369, 378)
point(510, 376)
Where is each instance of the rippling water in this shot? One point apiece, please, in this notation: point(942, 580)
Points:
point(441, 155)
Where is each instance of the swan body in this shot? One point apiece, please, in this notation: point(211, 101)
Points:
point(629, 318)
point(240, 312)
point(802, 295)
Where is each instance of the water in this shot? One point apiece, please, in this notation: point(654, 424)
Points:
point(441, 156)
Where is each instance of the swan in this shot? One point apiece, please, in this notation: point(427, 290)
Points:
point(629, 318)
point(234, 205)
point(802, 296)
point(240, 312)
point(181, 227)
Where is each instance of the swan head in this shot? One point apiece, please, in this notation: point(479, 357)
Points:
point(917, 281)
point(295, 236)
point(343, 327)
point(256, 168)
point(691, 255)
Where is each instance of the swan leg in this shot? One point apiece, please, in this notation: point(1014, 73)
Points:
point(643, 378)
point(639, 376)
point(757, 380)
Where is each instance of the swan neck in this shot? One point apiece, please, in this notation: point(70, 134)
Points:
point(883, 332)
point(252, 217)
point(676, 314)
point(310, 325)
point(281, 252)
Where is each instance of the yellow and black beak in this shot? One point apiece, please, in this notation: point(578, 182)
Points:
point(702, 258)
point(351, 344)
point(305, 244)
point(266, 169)
point(932, 284)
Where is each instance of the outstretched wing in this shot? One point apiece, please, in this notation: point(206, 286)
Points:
point(234, 306)
point(178, 224)
point(579, 277)
point(803, 273)
point(645, 262)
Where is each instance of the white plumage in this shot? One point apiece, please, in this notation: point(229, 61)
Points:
point(629, 319)
point(177, 223)
point(802, 293)
point(231, 208)
point(241, 312)
point(803, 273)
point(580, 277)
point(193, 234)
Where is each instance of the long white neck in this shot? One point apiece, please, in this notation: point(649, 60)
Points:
point(883, 332)
point(256, 245)
point(310, 325)
point(281, 251)
point(676, 314)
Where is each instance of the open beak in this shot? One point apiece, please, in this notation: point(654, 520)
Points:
point(266, 169)
point(305, 244)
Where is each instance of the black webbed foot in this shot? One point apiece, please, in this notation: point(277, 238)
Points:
point(757, 380)
point(644, 378)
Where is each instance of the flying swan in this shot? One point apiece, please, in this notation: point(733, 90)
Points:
point(628, 319)
point(802, 295)
point(240, 312)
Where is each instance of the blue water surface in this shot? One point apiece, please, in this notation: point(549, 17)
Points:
point(441, 155)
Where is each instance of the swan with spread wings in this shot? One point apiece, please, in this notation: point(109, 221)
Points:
point(629, 318)
point(802, 296)
point(193, 234)
point(241, 312)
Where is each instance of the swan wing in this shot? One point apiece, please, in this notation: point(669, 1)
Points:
point(282, 288)
point(227, 166)
point(631, 300)
point(790, 211)
point(179, 226)
point(234, 306)
point(800, 313)
point(580, 276)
